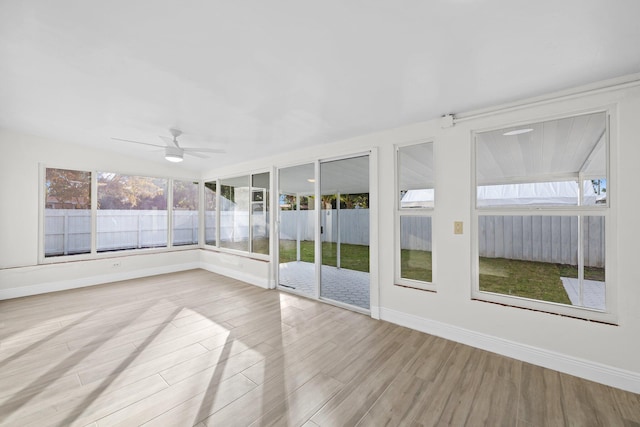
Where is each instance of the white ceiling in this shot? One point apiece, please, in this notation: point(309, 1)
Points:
point(260, 77)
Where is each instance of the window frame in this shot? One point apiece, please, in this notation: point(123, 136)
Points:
point(608, 210)
point(94, 254)
point(170, 198)
point(423, 212)
point(247, 254)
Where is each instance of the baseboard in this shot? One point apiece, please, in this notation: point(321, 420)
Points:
point(236, 274)
point(375, 312)
point(63, 285)
point(593, 371)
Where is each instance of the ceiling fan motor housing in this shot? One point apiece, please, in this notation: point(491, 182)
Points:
point(173, 153)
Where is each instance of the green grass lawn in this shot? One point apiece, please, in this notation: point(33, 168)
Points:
point(536, 280)
point(352, 257)
point(415, 265)
point(528, 279)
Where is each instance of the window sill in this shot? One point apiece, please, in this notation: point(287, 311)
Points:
point(411, 284)
point(581, 313)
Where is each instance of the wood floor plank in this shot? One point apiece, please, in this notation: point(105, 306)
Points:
point(87, 404)
point(272, 392)
point(197, 348)
point(196, 387)
point(352, 402)
point(235, 357)
point(406, 391)
point(540, 400)
point(199, 407)
point(302, 403)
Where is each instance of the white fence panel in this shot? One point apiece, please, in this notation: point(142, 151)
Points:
point(185, 227)
point(542, 238)
point(68, 231)
point(210, 227)
point(130, 229)
point(234, 226)
point(530, 238)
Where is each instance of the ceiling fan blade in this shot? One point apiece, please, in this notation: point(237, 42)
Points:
point(170, 142)
point(190, 153)
point(137, 142)
point(204, 150)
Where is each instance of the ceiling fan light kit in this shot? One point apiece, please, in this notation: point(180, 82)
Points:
point(173, 154)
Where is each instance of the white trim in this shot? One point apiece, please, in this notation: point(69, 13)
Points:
point(62, 285)
point(375, 312)
point(262, 282)
point(593, 371)
point(374, 236)
point(618, 83)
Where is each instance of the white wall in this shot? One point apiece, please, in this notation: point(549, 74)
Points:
point(601, 352)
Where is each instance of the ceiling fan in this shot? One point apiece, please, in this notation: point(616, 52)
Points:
point(173, 152)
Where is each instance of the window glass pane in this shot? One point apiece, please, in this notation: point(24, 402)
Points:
point(533, 257)
point(415, 175)
point(185, 213)
point(234, 213)
point(593, 248)
point(595, 191)
point(67, 215)
point(260, 213)
point(132, 212)
point(210, 212)
point(297, 226)
point(541, 163)
point(415, 248)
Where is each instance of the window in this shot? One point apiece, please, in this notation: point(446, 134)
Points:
point(67, 214)
point(126, 212)
point(210, 212)
point(541, 207)
point(414, 214)
point(185, 213)
point(234, 213)
point(132, 212)
point(260, 213)
point(242, 208)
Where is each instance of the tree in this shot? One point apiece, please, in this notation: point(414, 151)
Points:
point(117, 191)
point(71, 188)
point(185, 195)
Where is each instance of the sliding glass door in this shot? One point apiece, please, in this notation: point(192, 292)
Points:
point(297, 228)
point(344, 222)
point(324, 253)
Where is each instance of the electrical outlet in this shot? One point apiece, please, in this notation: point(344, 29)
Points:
point(457, 227)
point(116, 264)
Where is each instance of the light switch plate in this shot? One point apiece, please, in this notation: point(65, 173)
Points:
point(457, 227)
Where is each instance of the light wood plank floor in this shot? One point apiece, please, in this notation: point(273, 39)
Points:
point(196, 348)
